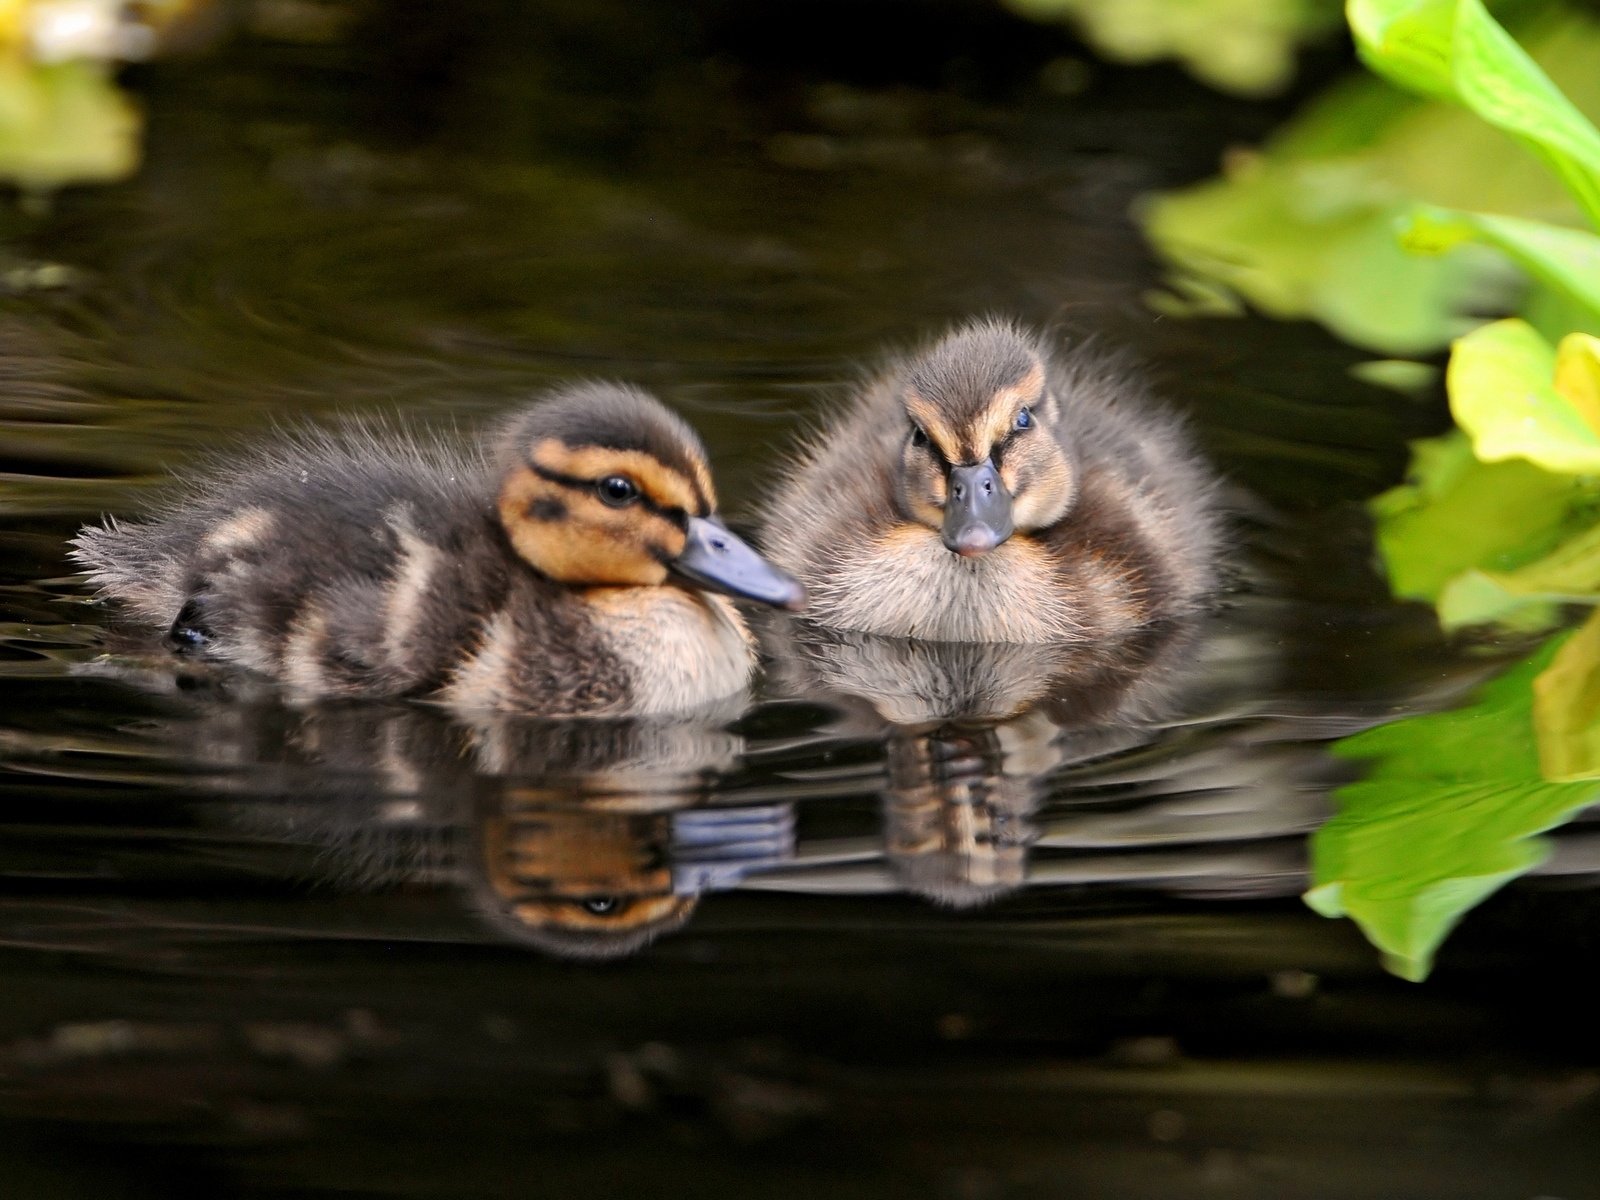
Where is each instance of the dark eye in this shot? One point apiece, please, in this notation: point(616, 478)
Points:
point(918, 438)
point(1024, 419)
point(618, 490)
point(601, 905)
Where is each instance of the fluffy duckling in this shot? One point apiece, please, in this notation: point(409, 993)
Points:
point(565, 572)
point(992, 489)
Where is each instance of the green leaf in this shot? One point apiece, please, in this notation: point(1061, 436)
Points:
point(1569, 574)
point(1314, 239)
point(1480, 529)
point(1502, 388)
point(1455, 49)
point(1456, 514)
point(1566, 259)
point(1447, 815)
point(1496, 79)
point(1407, 42)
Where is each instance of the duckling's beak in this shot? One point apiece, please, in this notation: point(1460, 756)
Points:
point(717, 560)
point(977, 510)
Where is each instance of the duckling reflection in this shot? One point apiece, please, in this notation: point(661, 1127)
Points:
point(596, 881)
point(957, 808)
point(972, 731)
point(580, 839)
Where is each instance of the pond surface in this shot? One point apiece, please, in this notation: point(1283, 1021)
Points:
point(872, 934)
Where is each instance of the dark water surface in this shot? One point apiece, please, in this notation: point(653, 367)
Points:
point(900, 942)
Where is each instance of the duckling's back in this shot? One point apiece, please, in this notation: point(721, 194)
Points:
point(1145, 492)
point(361, 562)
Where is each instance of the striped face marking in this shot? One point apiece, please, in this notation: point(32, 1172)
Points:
point(588, 872)
point(594, 515)
point(999, 418)
point(975, 438)
point(1031, 463)
point(930, 421)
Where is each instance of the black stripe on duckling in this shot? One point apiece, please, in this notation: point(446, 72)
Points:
point(992, 488)
point(564, 569)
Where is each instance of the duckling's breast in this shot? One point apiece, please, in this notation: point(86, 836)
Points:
point(679, 650)
point(906, 583)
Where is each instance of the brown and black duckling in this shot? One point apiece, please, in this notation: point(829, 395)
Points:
point(993, 488)
point(566, 568)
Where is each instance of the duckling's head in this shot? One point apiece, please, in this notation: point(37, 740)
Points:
point(980, 459)
point(601, 485)
point(575, 881)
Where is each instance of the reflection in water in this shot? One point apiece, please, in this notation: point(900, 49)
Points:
point(973, 731)
point(587, 880)
point(585, 839)
point(957, 808)
point(592, 838)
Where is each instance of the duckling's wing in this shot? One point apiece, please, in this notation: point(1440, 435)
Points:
point(311, 510)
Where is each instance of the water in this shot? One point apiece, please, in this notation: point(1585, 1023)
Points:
point(877, 933)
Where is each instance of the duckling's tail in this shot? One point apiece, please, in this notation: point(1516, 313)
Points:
point(133, 565)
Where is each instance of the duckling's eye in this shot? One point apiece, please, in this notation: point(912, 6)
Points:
point(918, 438)
point(1024, 419)
point(618, 490)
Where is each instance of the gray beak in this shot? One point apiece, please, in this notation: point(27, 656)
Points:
point(717, 560)
point(977, 510)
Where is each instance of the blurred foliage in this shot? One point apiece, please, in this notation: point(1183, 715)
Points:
point(64, 123)
point(1306, 226)
point(1497, 523)
point(63, 119)
point(1498, 520)
point(1242, 46)
point(1458, 519)
point(1452, 802)
point(1459, 53)
point(1395, 221)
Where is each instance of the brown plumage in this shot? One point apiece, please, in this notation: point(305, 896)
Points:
point(562, 569)
point(995, 489)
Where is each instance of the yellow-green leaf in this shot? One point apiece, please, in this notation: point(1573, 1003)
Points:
point(1407, 41)
point(1496, 79)
point(1455, 514)
point(1502, 388)
point(64, 123)
point(1578, 374)
point(1566, 708)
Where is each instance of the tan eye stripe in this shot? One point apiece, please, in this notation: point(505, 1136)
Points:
point(568, 914)
point(930, 421)
point(591, 540)
point(632, 524)
point(989, 430)
point(1001, 413)
point(665, 487)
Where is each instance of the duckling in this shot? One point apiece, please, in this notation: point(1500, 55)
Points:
point(574, 566)
point(994, 489)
